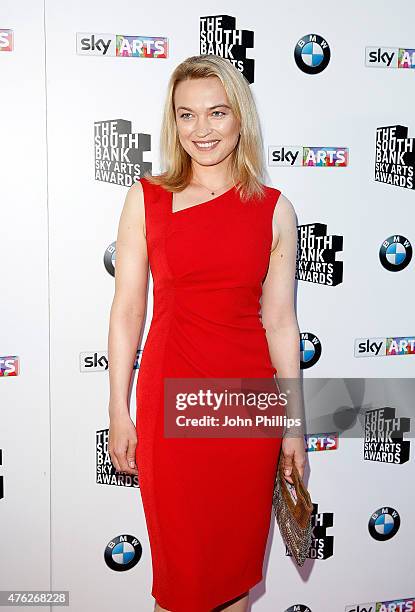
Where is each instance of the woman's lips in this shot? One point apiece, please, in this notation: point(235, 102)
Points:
point(205, 145)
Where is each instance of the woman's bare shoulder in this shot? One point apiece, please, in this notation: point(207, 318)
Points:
point(284, 220)
point(133, 209)
point(285, 205)
point(137, 187)
point(279, 197)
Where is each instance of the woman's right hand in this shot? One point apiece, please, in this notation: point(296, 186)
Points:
point(122, 443)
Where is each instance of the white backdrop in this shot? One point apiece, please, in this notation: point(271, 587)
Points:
point(57, 222)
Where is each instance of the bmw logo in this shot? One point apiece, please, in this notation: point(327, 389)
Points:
point(109, 259)
point(395, 253)
point(384, 523)
point(310, 350)
point(312, 54)
point(122, 553)
point(298, 608)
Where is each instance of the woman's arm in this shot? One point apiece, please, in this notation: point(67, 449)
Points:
point(125, 326)
point(278, 309)
point(280, 322)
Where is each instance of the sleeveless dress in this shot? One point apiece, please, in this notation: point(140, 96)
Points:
point(207, 501)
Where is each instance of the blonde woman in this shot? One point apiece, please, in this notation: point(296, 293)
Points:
point(215, 238)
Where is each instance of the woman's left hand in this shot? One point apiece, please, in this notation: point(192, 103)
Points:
point(293, 451)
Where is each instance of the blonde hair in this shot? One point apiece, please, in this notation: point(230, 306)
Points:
point(247, 161)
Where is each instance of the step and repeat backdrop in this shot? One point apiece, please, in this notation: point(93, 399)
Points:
point(82, 90)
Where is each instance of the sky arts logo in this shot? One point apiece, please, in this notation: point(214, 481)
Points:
point(397, 605)
point(6, 40)
point(395, 253)
point(118, 45)
point(395, 156)
point(316, 255)
point(220, 36)
point(384, 347)
point(97, 361)
point(293, 155)
point(389, 57)
point(9, 365)
point(322, 442)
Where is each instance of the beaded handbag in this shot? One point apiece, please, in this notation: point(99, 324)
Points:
point(293, 510)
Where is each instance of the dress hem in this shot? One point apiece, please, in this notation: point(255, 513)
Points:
point(249, 585)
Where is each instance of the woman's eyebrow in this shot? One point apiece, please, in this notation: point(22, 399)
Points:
point(210, 107)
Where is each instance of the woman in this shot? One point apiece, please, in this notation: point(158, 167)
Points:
point(214, 236)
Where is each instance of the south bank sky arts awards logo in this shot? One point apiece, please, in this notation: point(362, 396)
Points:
point(322, 545)
point(119, 152)
point(384, 433)
point(316, 255)
point(220, 36)
point(395, 157)
point(105, 470)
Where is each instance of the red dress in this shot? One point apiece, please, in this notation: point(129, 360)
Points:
point(207, 501)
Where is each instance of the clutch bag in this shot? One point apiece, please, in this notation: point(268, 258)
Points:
point(293, 510)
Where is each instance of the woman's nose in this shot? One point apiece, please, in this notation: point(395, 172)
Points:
point(203, 127)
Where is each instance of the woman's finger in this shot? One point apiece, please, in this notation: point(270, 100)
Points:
point(114, 461)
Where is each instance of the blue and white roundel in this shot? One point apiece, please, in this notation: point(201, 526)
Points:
point(395, 253)
point(384, 524)
point(312, 54)
point(307, 350)
point(123, 553)
point(310, 350)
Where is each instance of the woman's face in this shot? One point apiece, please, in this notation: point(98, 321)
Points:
point(208, 130)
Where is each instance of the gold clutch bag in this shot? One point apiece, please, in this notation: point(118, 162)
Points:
point(293, 517)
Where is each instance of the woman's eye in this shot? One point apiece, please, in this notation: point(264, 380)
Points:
point(186, 115)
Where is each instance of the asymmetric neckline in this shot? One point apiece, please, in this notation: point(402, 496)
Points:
point(213, 200)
